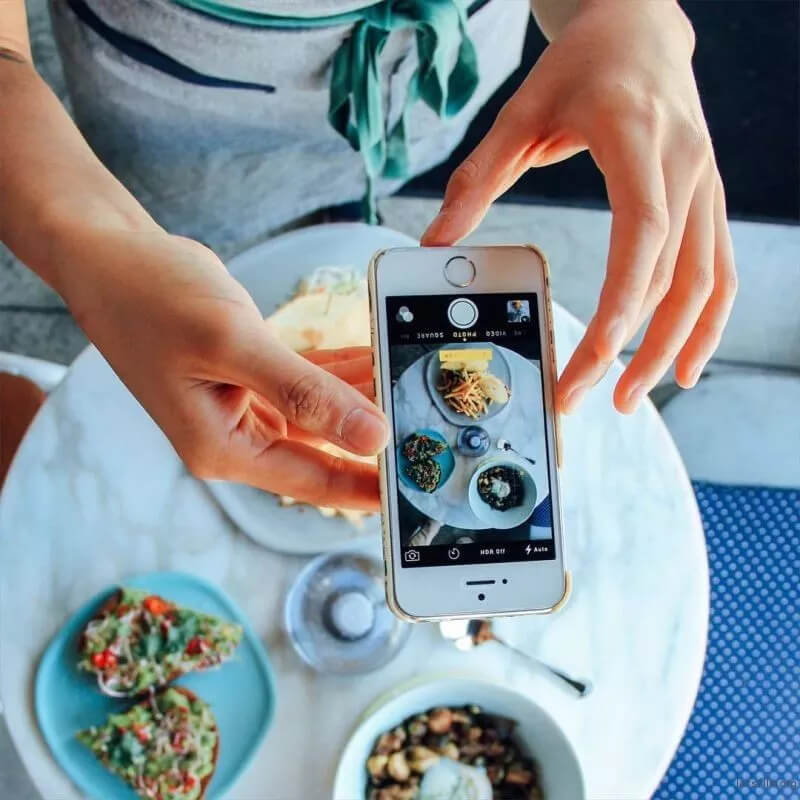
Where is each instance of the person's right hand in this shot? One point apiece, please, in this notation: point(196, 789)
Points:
point(191, 345)
point(182, 334)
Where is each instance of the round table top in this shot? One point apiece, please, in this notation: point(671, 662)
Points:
point(96, 493)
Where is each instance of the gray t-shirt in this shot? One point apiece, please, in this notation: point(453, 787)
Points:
point(228, 165)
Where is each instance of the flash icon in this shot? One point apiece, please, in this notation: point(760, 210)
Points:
point(527, 550)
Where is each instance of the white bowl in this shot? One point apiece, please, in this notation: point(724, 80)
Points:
point(512, 516)
point(556, 762)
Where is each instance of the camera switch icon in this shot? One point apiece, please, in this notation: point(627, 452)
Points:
point(404, 314)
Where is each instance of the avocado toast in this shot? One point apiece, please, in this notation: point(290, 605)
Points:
point(165, 747)
point(420, 450)
point(139, 642)
point(419, 446)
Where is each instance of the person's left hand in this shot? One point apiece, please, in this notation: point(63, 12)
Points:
point(618, 80)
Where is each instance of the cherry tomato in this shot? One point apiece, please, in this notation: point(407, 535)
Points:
point(196, 646)
point(142, 734)
point(104, 660)
point(155, 605)
point(177, 740)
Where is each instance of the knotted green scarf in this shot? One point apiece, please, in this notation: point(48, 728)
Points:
point(356, 99)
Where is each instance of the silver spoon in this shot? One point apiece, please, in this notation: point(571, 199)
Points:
point(467, 634)
point(504, 444)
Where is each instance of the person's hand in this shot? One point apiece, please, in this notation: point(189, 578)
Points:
point(182, 334)
point(191, 345)
point(618, 81)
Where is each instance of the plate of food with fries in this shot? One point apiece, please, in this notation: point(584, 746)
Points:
point(469, 382)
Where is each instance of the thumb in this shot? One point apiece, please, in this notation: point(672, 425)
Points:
point(492, 167)
point(313, 399)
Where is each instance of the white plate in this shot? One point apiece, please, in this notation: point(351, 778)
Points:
point(559, 769)
point(271, 272)
point(498, 366)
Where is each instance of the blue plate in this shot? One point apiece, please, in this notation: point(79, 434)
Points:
point(445, 460)
point(241, 693)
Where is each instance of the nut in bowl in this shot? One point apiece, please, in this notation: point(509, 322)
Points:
point(502, 492)
point(459, 739)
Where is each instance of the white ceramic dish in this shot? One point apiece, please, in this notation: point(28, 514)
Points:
point(512, 517)
point(271, 272)
point(559, 769)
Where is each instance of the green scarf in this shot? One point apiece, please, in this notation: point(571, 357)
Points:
point(356, 101)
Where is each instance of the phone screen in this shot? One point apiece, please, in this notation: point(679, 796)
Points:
point(473, 483)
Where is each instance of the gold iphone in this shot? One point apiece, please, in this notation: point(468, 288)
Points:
point(465, 372)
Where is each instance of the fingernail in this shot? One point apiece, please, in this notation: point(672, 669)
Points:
point(636, 395)
point(616, 336)
point(364, 431)
point(430, 227)
point(574, 396)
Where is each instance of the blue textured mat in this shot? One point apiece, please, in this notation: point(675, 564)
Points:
point(743, 738)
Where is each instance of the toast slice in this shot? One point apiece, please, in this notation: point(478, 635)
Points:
point(165, 747)
point(139, 642)
point(329, 310)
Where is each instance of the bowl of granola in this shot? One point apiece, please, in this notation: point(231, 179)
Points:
point(502, 492)
point(460, 739)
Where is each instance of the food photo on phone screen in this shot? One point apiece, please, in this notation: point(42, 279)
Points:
point(469, 424)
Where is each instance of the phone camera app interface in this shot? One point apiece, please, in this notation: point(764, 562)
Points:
point(470, 439)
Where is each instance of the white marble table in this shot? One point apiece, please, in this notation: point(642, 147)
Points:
point(96, 493)
point(521, 426)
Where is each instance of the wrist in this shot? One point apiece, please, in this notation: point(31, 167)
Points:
point(56, 197)
point(661, 10)
point(84, 255)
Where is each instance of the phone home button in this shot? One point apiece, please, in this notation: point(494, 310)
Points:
point(459, 271)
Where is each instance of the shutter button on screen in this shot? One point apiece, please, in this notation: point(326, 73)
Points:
point(459, 271)
point(462, 313)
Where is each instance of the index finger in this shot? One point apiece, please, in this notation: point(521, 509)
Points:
point(491, 168)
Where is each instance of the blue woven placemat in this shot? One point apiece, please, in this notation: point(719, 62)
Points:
point(743, 737)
